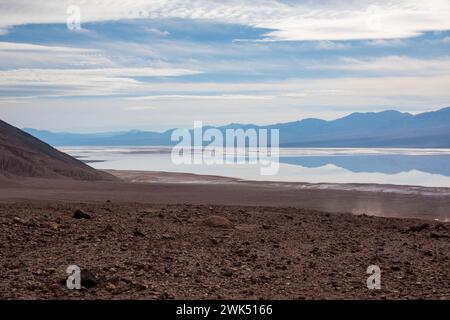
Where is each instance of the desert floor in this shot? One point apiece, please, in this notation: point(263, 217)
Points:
point(219, 240)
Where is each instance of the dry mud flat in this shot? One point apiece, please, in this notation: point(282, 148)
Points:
point(142, 251)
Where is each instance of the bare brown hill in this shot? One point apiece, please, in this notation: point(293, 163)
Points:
point(22, 155)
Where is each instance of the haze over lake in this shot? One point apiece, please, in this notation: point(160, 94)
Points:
point(417, 167)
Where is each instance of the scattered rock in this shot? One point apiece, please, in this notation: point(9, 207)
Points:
point(247, 227)
point(88, 279)
point(108, 228)
point(138, 233)
point(227, 273)
point(29, 223)
point(53, 226)
point(110, 286)
point(438, 236)
point(166, 296)
point(80, 214)
point(213, 260)
point(214, 241)
point(217, 222)
point(428, 253)
point(419, 227)
point(18, 220)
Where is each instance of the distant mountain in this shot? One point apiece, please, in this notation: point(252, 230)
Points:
point(382, 129)
point(25, 156)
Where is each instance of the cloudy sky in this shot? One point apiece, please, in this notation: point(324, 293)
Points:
point(158, 64)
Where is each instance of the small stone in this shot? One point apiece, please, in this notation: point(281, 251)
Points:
point(80, 214)
point(108, 228)
point(138, 233)
point(227, 273)
point(166, 296)
point(88, 279)
point(428, 253)
point(419, 227)
point(53, 226)
point(217, 222)
point(438, 236)
point(110, 286)
point(214, 241)
point(51, 270)
point(18, 220)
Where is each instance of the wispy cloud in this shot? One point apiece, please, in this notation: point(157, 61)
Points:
point(387, 43)
point(15, 46)
point(89, 82)
point(302, 20)
point(331, 45)
point(201, 97)
point(23, 55)
point(391, 64)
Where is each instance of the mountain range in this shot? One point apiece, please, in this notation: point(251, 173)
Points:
point(381, 129)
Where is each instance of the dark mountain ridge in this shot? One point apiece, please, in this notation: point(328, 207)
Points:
point(22, 155)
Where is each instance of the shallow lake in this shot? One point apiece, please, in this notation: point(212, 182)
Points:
point(420, 167)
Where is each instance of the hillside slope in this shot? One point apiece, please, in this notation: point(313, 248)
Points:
point(22, 155)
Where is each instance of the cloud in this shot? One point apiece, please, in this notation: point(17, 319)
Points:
point(330, 45)
point(323, 98)
point(157, 32)
point(88, 82)
point(398, 90)
point(23, 55)
point(201, 97)
point(391, 64)
point(444, 41)
point(303, 20)
point(387, 43)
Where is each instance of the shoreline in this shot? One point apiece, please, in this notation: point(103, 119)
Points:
point(139, 176)
point(173, 188)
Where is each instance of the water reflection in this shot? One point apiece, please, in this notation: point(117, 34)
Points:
point(416, 167)
point(388, 164)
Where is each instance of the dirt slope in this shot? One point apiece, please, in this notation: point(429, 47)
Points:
point(22, 155)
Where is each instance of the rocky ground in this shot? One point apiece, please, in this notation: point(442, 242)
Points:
point(148, 251)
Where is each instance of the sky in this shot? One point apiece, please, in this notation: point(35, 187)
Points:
point(107, 65)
